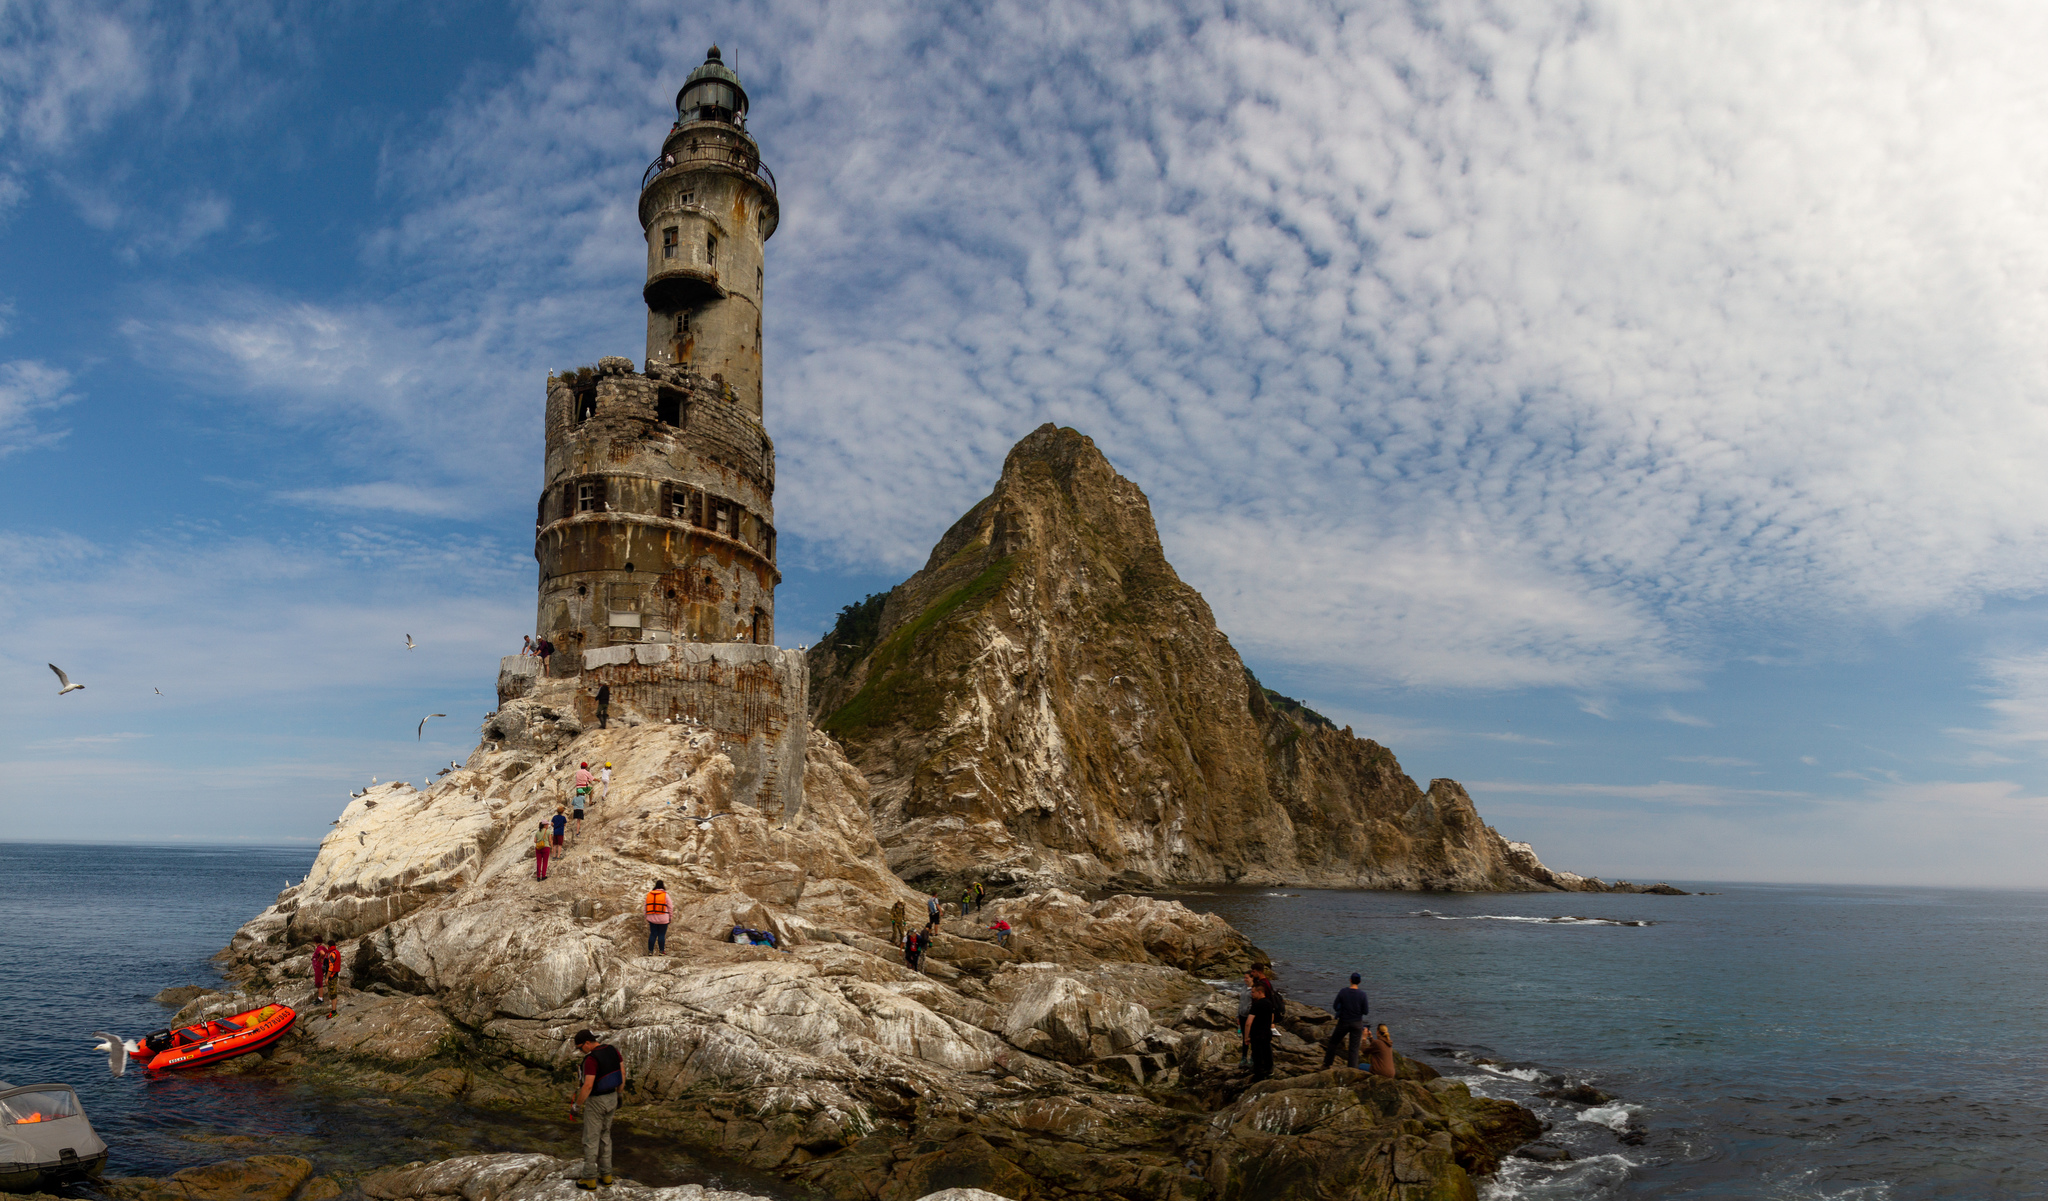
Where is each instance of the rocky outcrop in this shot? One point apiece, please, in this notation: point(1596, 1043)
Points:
point(1522, 857)
point(1048, 702)
point(1091, 1056)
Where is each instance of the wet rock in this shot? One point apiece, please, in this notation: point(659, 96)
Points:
point(257, 1178)
point(181, 995)
point(1542, 1153)
point(1582, 1094)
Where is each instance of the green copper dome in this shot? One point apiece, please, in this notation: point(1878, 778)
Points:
point(712, 93)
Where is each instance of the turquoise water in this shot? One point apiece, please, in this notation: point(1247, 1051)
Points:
point(1790, 1042)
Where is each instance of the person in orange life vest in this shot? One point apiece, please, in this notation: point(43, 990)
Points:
point(656, 906)
point(541, 847)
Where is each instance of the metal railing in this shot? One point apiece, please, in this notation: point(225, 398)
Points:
point(722, 155)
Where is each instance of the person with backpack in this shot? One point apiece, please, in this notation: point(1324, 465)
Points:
point(1266, 1007)
point(604, 1078)
point(934, 910)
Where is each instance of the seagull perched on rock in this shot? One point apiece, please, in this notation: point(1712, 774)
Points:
point(422, 731)
point(117, 1052)
point(361, 838)
point(64, 682)
point(409, 645)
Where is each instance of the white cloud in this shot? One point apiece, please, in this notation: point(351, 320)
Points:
point(2019, 706)
point(1663, 792)
point(1667, 713)
point(27, 388)
point(1712, 760)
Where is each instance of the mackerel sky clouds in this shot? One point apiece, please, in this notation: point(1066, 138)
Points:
point(1634, 411)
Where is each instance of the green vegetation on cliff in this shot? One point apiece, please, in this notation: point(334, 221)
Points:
point(893, 693)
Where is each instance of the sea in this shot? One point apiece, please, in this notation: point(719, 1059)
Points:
point(1757, 1041)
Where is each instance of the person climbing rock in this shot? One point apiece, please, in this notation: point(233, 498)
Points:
point(604, 781)
point(899, 920)
point(560, 822)
point(1002, 929)
point(656, 907)
point(577, 812)
point(604, 704)
point(542, 844)
point(1350, 1007)
point(604, 1076)
point(583, 779)
point(934, 910)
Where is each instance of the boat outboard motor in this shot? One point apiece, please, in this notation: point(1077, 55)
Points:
point(157, 1043)
point(44, 1138)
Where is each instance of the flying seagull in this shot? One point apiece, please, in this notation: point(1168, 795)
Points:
point(422, 731)
point(409, 643)
point(117, 1052)
point(64, 681)
point(158, 691)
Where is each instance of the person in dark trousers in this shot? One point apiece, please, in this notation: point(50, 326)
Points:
point(934, 910)
point(545, 650)
point(604, 704)
point(604, 1075)
point(1350, 1007)
point(1252, 977)
point(1258, 1028)
point(657, 908)
point(560, 821)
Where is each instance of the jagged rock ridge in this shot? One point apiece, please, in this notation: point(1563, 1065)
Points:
point(1048, 700)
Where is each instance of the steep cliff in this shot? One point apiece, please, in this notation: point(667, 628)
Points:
point(1046, 700)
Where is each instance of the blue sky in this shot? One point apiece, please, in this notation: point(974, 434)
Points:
point(1635, 412)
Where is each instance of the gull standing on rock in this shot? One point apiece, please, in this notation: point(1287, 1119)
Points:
point(64, 681)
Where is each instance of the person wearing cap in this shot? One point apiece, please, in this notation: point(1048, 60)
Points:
point(604, 781)
point(604, 1076)
point(1350, 1008)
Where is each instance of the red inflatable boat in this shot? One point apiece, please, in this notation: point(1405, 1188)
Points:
point(213, 1041)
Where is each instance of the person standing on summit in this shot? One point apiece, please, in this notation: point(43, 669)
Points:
point(1350, 1007)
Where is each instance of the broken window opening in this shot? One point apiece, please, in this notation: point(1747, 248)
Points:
point(668, 242)
point(590, 497)
point(586, 404)
point(668, 407)
point(711, 250)
point(682, 505)
point(689, 197)
point(721, 518)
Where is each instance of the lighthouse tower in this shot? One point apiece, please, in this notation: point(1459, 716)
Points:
point(656, 518)
point(708, 206)
point(655, 530)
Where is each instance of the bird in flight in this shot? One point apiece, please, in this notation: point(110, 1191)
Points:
point(158, 691)
point(422, 731)
point(409, 643)
point(117, 1051)
point(64, 681)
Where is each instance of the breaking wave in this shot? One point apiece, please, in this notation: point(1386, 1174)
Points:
point(1561, 920)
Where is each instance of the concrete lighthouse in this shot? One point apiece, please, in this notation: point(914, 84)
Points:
point(655, 529)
